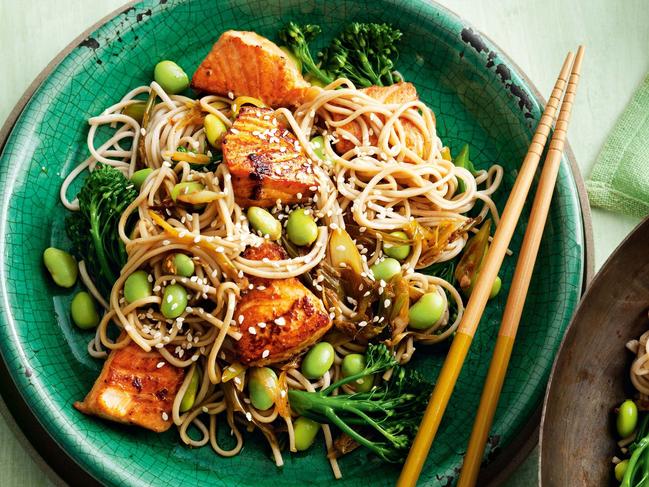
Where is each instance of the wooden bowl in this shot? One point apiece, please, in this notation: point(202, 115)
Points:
point(591, 373)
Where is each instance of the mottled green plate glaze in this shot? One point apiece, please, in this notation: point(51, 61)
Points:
point(479, 98)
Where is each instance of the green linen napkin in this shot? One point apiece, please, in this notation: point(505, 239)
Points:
point(620, 179)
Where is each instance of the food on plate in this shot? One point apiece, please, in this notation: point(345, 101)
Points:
point(270, 251)
point(632, 421)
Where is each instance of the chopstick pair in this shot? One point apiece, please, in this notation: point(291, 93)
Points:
point(520, 284)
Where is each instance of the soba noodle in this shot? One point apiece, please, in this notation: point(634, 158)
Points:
point(380, 186)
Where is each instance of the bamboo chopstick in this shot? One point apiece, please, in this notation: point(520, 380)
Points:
point(475, 307)
point(519, 287)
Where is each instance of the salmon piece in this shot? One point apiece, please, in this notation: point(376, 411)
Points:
point(266, 161)
point(247, 64)
point(397, 93)
point(132, 389)
point(292, 317)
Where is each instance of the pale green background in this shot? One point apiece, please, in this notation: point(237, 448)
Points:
point(535, 33)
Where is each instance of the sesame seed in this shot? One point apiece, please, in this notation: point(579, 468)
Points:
point(252, 330)
point(160, 364)
point(265, 353)
point(249, 416)
point(281, 321)
point(165, 416)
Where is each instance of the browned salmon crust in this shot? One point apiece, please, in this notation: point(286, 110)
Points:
point(281, 317)
point(132, 389)
point(247, 64)
point(397, 93)
point(266, 161)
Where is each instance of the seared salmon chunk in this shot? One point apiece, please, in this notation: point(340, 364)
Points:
point(247, 64)
point(266, 161)
point(278, 318)
point(132, 388)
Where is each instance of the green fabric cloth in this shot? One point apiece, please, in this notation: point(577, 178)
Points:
point(620, 179)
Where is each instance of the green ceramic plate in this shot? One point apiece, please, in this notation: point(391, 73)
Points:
point(479, 98)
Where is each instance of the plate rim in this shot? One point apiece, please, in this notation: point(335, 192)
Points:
point(42, 447)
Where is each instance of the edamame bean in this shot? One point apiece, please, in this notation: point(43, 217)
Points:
point(186, 187)
point(385, 269)
point(61, 265)
point(83, 310)
point(182, 265)
point(620, 469)
point(137, 286)
point(264, 222)
point(305, 431)
point(263, 387)
point(397, 251)
point(140, 176)
point(627, 418)
point(426, 312)
point(318, 146)
point(215, 129)
point(353, 364)
point(495, 287)
point(301, 228)
point(170, 77)
point(174, 301)
point(135, 110)
point(190, 393)
point(318, 360)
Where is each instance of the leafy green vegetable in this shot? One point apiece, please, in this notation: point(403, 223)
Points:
point(363, 52)
point(385, 419)
point(462, 160)
point(443, 270)
point(93, 229)
point(637, 471)
point(297, 38)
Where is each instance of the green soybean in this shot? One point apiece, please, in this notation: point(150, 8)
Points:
point(627, 418)
point(318, 360)
point(305, 431)
point(495, 287)
point(620, 469)
point(183, 265)
point(426, 312)
point(190, 393)
point(397, 251)
point(262, 221)
point(263, 387)
point(61, 266)
point(385, 269)
point(137, 286)
point(83, 310)
point(215, 129)
point(301, 228)
point(174, 301)
point(135, 110)
point(140, 176)
point(186, 187)
point(353, 364)
point(170, 77)
point(318, 146)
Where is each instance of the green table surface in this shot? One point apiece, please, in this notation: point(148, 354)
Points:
point(535, 33)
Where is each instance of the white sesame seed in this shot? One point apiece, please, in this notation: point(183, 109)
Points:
point(281, 321)
point(265, 354)
point(165, 416)
point(160, 364)
point(252, 330)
